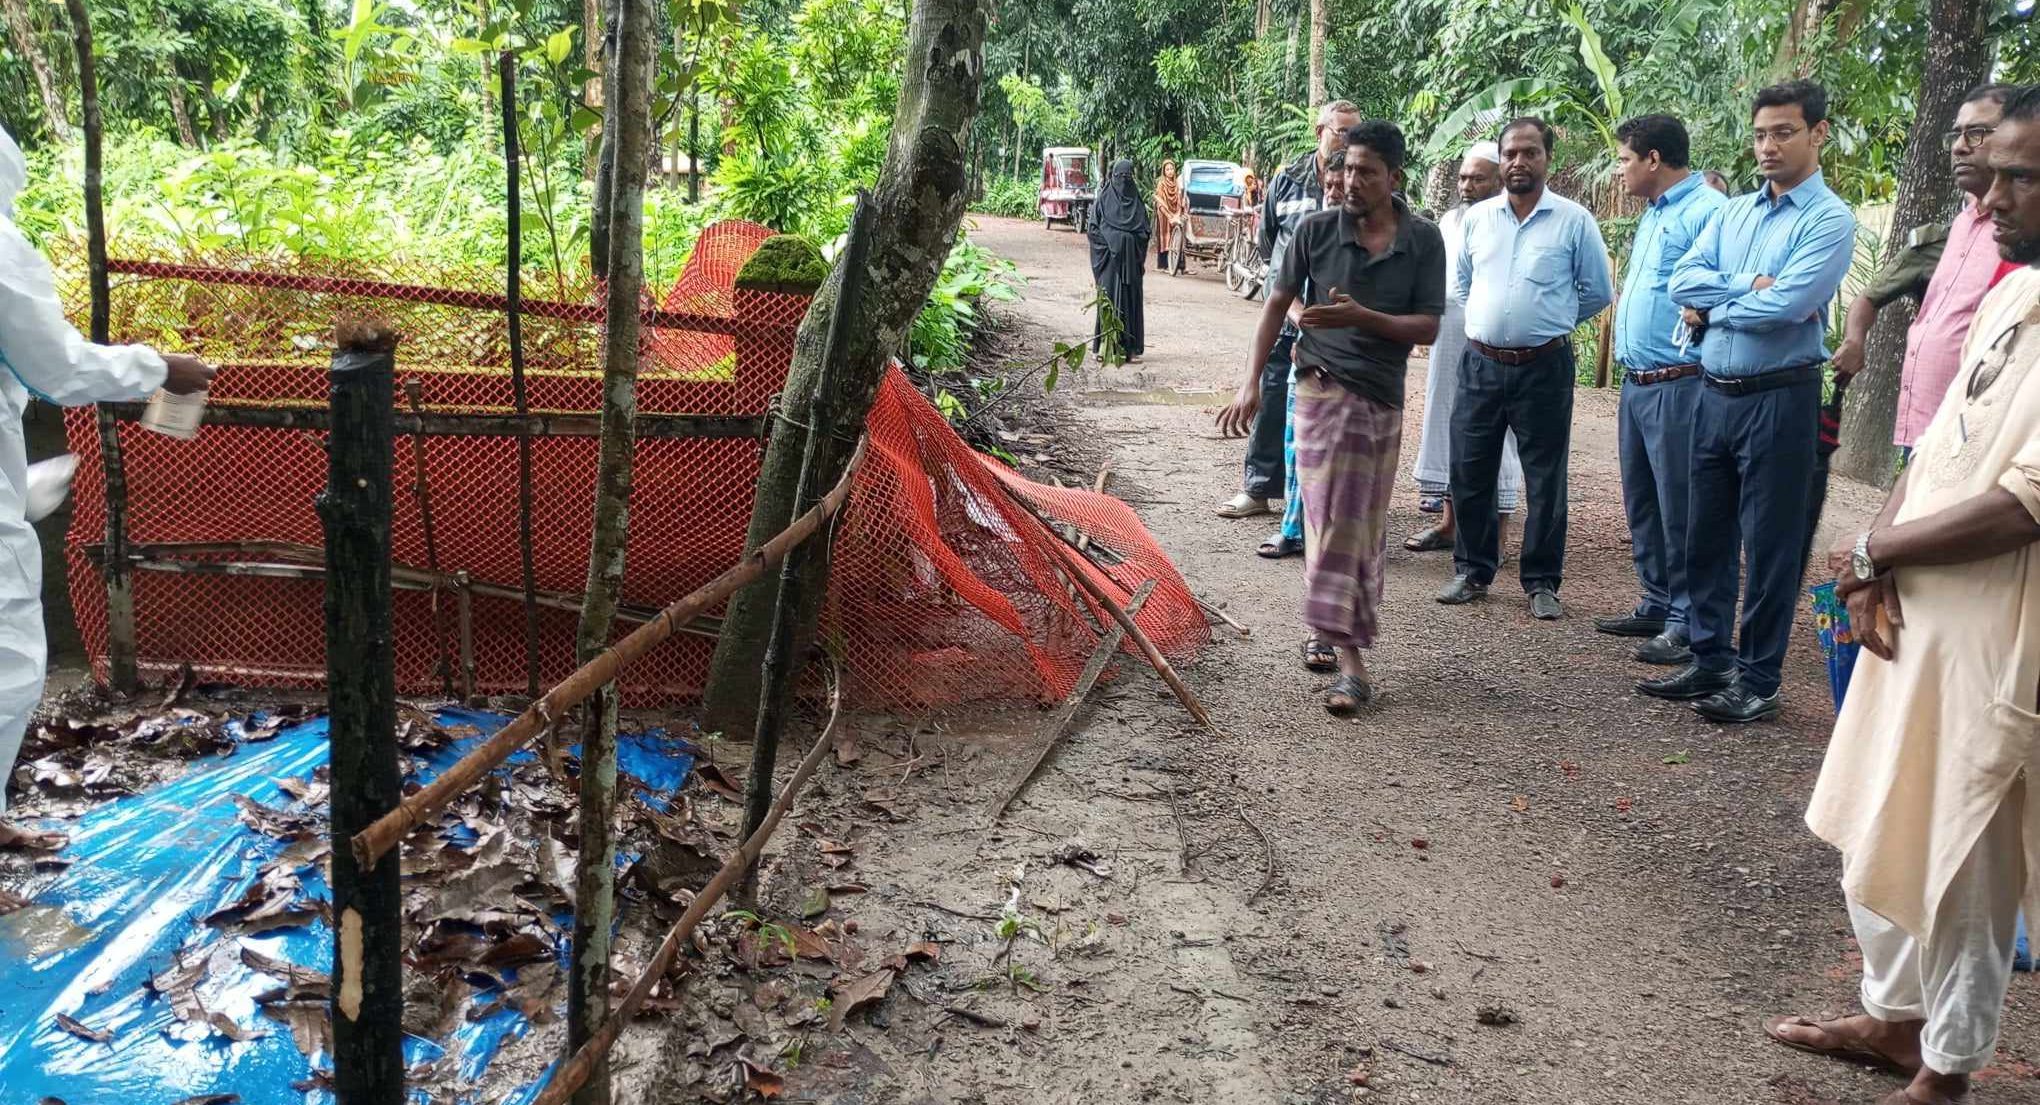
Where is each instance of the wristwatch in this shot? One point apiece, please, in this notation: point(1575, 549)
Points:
point(1860, 564)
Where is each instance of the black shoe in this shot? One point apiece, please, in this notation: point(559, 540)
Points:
point(1666, 649)
point(1737, 706)
point(1461, 591)
point(1544, 606)
point(1629, 625)
point(1691, 681)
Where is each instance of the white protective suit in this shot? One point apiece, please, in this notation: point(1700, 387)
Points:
point(42, 354)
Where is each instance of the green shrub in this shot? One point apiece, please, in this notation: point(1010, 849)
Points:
point(1011, 197)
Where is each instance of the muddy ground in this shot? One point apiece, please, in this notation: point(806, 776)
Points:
point(1511, 881)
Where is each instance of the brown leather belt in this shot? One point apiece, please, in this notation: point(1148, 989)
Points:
point(1512, 357)
point(1661, 375)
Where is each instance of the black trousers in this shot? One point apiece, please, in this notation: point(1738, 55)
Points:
point(1266, 476)
point(1535, 400)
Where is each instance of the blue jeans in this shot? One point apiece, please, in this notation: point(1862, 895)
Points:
point(1752, 478)
point(1655, 442)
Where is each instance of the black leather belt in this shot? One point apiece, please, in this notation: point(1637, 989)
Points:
point(1660, 375)
point(1764, 381)
point(1512, 357)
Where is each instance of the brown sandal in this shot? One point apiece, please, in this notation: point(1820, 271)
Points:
point(1856, 1052)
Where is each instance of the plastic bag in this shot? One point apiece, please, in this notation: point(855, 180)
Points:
point(49, 484)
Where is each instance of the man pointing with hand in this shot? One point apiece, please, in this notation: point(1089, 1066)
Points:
point(1373, 276)
point(43, 355)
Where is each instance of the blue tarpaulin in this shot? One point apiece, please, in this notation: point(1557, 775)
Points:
point(145, 871)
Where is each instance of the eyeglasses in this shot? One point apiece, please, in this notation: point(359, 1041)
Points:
point(1972, 136)
point(1779, 135)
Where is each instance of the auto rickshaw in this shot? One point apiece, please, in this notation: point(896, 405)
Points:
point(1219, 225)
point(1066, 187)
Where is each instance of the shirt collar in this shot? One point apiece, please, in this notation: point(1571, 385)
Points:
point(1405, 234)
point(1679, 191)
point(1811, 189)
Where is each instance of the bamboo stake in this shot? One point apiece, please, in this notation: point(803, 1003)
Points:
point(577, 1068)
point(120, 594)
point(1108, 647)
point(1074, 567)
point(372, 843)
point(506, 71)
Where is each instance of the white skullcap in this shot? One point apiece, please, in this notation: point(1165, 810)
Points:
point(1485, 151)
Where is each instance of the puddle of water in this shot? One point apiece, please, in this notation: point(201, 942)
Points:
point(1174, 397)
point(32, 932)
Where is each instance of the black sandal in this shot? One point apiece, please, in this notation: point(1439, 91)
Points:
point(1433, 539)
point(1318, 656)
point(1278, 546)
point(1347, 695)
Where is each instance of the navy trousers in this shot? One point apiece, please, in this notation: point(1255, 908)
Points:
point(1655, 442)
point(1266, 476)
point(1535, 400)
point(1752, 477)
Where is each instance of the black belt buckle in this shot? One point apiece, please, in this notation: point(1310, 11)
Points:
point(1730, 385)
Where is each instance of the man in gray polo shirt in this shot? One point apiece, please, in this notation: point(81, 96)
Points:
point(1373, 276)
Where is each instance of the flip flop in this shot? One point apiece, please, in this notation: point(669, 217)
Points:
point(1317, 656)
point(1430, 540)
point(1347, 694)
point(1848, 1052)
point(1278, 546)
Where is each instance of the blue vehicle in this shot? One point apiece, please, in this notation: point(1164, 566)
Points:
point(1219, 226)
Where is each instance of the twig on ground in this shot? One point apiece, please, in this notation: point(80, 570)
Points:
point(953, 912)
point(1183, 856)
point(1417, 1053)
point(985, 1020)
point(1224, 617)
point(1267, 846)
point(1464, 950)
point(1214, 992)
point(1105, 473)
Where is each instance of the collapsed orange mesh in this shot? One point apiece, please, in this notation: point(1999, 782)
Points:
point(945, 589)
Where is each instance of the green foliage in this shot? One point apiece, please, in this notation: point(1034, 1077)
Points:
point(1012, 197)
point(943, 330)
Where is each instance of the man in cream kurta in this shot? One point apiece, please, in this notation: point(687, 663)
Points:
point(1924, 790)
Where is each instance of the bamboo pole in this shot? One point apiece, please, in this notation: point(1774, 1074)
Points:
point(354, 510)
point(576, 1070)
point(513, 296)
point(374, 842)
point(777, 684)
point(120, 594)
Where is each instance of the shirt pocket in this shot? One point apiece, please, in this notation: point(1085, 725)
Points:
point(1545, 267)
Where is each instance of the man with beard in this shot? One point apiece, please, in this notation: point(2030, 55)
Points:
point(1759, 280)
point(1531, 267)
point(1480, 178)
point(1660, 381)
point(1374, 274)
point(1293, 196)
point(1925, 790)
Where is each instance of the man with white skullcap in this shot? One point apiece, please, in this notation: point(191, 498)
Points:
point(43, 355)
point(1480, 177)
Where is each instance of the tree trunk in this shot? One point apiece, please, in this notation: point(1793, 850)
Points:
point(1289, 56)
point(1320, 25)
point(181, 111)
point(604, 165)
point(595, 874)
point(594, 28)
point(1958, 58)
point(1261, 15)
point(920, 199)
point(21, 29)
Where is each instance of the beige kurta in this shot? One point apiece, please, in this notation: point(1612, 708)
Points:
point(1930, 742)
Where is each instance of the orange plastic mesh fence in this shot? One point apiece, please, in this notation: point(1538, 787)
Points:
point(944, 590)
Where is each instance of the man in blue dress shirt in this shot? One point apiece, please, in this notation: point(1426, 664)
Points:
point(1759, 280)
point(1531, 267)
point(1660, 381)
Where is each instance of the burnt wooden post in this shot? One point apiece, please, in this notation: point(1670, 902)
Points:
point(778, 672)
point(368, 990)
point(120, 594)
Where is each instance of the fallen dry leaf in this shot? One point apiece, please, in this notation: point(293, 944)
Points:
point(762, 1081)
point(924, 951)
point(225, 1026)
point(84, 1032)
point(1557, 881)
point(1420, 966)
point(855, 995)
point(1520, 804)
point(1622, 805)
point(10, 901)
point(179, 986)
point(717, 780)
point(809, 944)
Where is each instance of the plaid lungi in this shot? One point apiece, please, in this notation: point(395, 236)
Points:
point(1346, 451)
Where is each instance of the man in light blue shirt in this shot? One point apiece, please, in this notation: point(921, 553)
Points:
point(1660, 381)
point(1531, 267)
point(1759, 280)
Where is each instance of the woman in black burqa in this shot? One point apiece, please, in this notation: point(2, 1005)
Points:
point(1119, 240)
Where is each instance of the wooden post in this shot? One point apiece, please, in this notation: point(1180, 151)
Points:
point(778, 666)
point(354, 510)
point(506, 71)
point(120, 596)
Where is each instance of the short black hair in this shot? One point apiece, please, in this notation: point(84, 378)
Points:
point(1542, 128)
point(2024, 104)
point(1384, 138)
point(1337, 160)
point(1660, 133)
point(1999, 94)
point(1811, 98)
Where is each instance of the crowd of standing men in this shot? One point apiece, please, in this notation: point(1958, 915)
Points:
point(1721, 333)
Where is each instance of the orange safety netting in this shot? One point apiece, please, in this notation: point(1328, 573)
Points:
point(944, 589)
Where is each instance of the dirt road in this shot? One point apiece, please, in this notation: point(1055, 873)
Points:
point(1510, 833)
